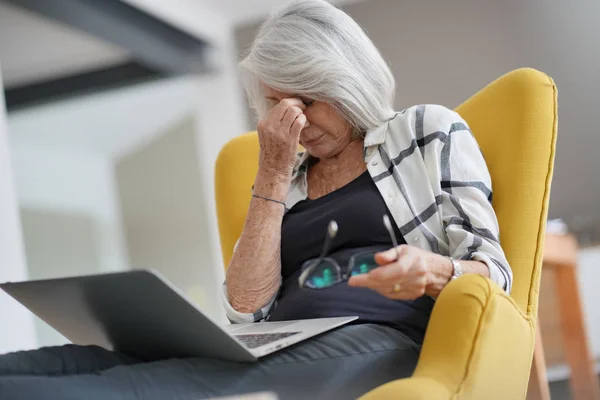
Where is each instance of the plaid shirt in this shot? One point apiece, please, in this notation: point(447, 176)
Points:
point(432, 175)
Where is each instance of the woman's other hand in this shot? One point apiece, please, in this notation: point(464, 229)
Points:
point(413, 272)
point(279, 135)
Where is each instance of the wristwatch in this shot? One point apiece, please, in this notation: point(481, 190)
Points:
point(456, 269)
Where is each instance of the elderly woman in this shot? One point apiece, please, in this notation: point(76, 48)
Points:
point(401, 198)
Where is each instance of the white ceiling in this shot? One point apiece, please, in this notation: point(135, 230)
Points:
point(242, 11)
point(34, 48)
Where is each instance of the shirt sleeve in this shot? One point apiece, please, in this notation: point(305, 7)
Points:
point(236, 317)
point(468, 217)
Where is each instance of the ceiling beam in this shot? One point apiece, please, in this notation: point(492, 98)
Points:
point(150, 40)
point(126, 74)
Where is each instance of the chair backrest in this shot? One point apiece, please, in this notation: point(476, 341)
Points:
point(235, 171)
point(514, 121)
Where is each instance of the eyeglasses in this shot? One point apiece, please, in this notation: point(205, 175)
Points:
point(324, 272)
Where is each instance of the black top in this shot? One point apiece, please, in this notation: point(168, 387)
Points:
point(358, 209)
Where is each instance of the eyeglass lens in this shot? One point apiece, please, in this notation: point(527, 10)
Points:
point(325, 274)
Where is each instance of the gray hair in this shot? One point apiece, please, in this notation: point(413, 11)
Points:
point(312, 49)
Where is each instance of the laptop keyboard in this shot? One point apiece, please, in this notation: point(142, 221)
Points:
point(258, 339)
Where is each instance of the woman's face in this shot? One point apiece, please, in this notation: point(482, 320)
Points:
point(326, 133)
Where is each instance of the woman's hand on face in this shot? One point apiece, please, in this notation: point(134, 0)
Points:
point(406, 266)
point(279, 135)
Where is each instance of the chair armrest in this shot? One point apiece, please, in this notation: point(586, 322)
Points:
point(478, 345)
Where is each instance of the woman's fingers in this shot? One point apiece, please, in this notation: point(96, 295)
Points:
point(280, 110)
point(411, 287)
point(382, 277)
point(279, 135)
point(401, 266)
point(387, 275)
point(391, 255)
point(359, 280)
point(290, 117)
point(409, 290)
point(299, 124)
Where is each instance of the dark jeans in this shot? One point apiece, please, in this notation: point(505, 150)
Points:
point(342, 364)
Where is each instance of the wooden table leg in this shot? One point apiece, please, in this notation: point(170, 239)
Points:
point(538, 388)
point(583, 381)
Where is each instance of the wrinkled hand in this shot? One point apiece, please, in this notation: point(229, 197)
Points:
point(279, 135)
point(404, 265)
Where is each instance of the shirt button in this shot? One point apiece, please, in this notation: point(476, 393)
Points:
point(415, 239)
point(374, 163)
point(390, 194)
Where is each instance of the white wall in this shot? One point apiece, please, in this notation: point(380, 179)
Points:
point(220, 116)
point(64, 180)
point(64, 155)
point(190, 15)
point(64, 152)
point(219, 102)
point(63, 158)
point(20, 335)
point(55, 185)
point(76, 136)
point(164, 215)
point(107, 123)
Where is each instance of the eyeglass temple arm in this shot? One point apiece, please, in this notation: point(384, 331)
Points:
point(332, 230)
point(388, 226)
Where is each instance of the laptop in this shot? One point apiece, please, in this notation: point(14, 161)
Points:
point(140, 313)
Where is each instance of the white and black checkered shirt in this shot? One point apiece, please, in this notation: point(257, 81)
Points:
point(435, 182)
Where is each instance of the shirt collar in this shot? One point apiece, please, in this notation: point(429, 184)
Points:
point(376, 136)
point(302, 164)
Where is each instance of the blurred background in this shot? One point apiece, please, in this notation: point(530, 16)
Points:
point(116, 110)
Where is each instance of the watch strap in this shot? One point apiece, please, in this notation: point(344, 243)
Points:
point(456, 269)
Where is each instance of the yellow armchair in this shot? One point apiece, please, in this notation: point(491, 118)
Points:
point(479, 342)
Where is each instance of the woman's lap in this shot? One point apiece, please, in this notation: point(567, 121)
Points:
point(62, 360)
point(340, 364)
